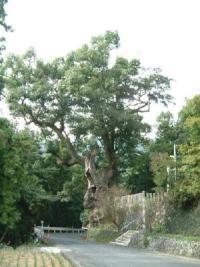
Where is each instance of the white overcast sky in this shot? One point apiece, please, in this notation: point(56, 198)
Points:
point(160, 33)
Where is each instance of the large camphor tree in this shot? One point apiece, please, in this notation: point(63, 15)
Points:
point(90, 102)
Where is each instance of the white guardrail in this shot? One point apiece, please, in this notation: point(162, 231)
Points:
point(40, 231)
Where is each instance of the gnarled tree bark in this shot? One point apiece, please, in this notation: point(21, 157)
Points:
point(98, 179)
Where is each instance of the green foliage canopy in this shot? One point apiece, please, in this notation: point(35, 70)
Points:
point(84, 95)
point(20, 186)
point(166, 135)
point(187, 190)
point(186, 134)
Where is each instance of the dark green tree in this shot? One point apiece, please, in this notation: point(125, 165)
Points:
point(163, 169)
point(65, 187)
point(137, 176)
point(34, 186)
point(161, 151)
point(166, 135)
point(187, 189)
point(84, 97)
point(21, 189)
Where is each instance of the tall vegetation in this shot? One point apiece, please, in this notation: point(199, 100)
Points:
point(185, 133)
point(20, 186)
point(30, 189)
point(188, 187)
point(89, 110)
point(92, 106)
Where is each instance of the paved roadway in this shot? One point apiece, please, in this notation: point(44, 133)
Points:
point(89, 254)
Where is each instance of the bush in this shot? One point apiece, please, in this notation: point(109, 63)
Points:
point(159, 228)
point(185, 222)
point(186, 193)
point(103, 234)
point(84, 217)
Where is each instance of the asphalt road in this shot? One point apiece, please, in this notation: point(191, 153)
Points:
point(88, 254)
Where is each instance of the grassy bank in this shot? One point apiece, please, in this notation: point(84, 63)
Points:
point(101, 234)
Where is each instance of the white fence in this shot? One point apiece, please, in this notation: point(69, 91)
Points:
point(40, 231)
point(130, 200)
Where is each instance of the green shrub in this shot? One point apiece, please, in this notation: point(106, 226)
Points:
point(184, 221)
point(159, 228)
point(146, 241)
point(102, 234)
point(84, 217)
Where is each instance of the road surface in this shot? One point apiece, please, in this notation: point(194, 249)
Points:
point(89, 254)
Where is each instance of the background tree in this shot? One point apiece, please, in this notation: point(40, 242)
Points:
point(187, 189)
point(162, 167)
point(4, 27)
point(84, 97)
point(138, 176)
point(30, 188)
point(65, 187)
point(161, 150)
point(21, 189)
point(166, 135)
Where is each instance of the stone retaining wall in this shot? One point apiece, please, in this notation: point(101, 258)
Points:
point(166, 244)
point(137, 240)
point(175, 246)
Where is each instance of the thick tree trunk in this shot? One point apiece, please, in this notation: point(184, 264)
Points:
point(98, 181)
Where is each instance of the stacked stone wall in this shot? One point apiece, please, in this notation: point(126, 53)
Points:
point(175, 246)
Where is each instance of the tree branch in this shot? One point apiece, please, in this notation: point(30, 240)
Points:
point(75, 158)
